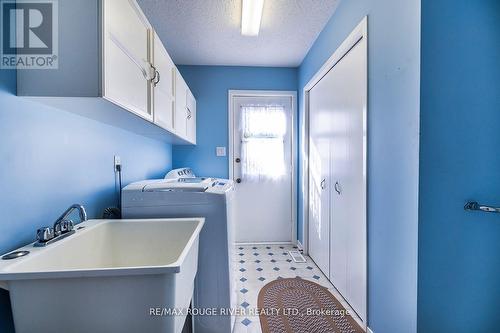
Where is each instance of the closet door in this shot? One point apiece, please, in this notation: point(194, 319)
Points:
point(319, 176)
point(348, 167)
point(337, 170)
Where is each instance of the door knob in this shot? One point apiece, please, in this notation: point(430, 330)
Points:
point(338, 189)
point(238, 180)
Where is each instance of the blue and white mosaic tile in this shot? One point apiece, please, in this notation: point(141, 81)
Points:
point(257, 265)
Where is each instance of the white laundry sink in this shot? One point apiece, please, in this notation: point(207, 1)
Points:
point(110, 276)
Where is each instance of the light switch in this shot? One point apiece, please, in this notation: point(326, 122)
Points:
point(221, 151)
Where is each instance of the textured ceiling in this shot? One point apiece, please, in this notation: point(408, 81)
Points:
point(207, 32)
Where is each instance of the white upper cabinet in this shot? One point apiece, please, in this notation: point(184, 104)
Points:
point(164, 86)
point(185, 110)
point(181, 90)
point(127, 70)
point(108, 50)
point(191, 118)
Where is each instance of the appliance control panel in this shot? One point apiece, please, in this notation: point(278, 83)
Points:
point(180, 173)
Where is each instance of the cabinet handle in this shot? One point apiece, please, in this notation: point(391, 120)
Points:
point(323, 184)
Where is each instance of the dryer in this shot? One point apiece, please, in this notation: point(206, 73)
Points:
point(182, 194)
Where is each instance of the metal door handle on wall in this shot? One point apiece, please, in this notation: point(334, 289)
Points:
point(323, 184)
point(472, 205)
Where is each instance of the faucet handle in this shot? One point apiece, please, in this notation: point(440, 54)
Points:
point(63, 226)
point(69, 225)
point(44, 234)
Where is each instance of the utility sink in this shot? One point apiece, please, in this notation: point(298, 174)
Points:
point(110, 276)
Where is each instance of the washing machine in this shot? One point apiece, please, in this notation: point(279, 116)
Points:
point(182, 194)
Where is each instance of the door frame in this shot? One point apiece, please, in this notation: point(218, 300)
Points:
point(268, 93)
point(359, 33)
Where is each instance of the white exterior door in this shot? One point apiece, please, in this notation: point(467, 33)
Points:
point(262, 167)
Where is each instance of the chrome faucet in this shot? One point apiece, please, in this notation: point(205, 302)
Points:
point(63, 224)
point(63, 227)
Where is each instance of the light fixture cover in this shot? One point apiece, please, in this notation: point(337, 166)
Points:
point(251, 15)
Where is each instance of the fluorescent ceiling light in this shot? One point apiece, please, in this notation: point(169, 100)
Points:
point(251, 15)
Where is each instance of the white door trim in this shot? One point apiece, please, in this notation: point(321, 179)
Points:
point(359, 33)
point(268, 93)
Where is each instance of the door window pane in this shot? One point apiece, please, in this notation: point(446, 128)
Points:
point(263, 130)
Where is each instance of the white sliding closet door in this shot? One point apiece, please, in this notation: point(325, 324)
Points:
point(348, 202)
point(319, 179)
point(337, 174)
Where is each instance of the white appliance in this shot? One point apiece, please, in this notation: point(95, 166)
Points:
point(182, 194)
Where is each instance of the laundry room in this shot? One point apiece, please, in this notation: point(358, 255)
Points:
point(249, 166)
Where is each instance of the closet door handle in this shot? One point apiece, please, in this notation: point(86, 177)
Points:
point(323, 184)
point(156, 78)
point(155, 72)
point(338, 189)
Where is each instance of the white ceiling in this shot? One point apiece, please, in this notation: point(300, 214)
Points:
point(207, 32)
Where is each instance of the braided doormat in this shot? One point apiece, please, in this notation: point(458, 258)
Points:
point(301, 306)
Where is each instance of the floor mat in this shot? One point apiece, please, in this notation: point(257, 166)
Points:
point(298, 306)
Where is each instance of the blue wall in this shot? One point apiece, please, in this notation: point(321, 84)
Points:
point(393, 120)
point(210, 85)
point(459, 252)
point(51, 159)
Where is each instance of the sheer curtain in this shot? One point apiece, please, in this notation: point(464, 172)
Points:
point(263, 130)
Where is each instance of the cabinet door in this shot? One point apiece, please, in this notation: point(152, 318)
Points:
point(164, 92)
point(191, 118)
point(180, 106)
point(126, 57)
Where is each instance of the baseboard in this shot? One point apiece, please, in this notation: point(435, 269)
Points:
point(300, 246)
point(369, 330)
point(262, 243)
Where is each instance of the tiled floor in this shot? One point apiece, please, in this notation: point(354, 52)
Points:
point(256, 266)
